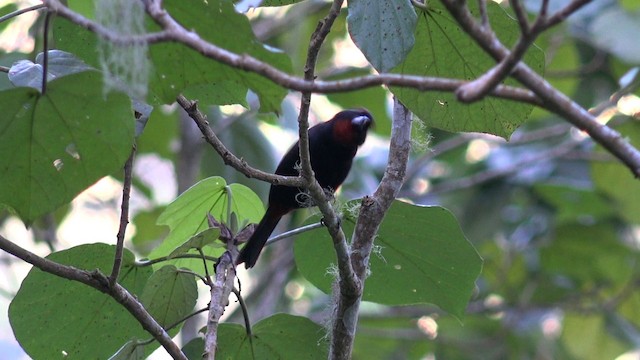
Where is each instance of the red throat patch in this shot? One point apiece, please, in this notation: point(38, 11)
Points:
point(343, 131)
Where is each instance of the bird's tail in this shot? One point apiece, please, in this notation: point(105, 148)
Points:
point(249, 254)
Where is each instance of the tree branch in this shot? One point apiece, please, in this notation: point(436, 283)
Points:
point(57, 7)
point(372, 213)
point(220, 290)
point(347, 281)
point(479, 88)
point(174, 32)
point(191, 107)
point(554, 100)
point(100, 282)
point(124, 218)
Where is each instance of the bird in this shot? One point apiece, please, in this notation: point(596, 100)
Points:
point(332, 146)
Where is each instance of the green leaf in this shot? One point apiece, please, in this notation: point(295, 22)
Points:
point(51, 316)
point(198, 241)
point(76, 40)
point(280, 336)
point(232, 32)
point(422, 256)
point(442, 49)
point(586, 337)
point(169, 295)
point(132, 350)
point(382, 30)
point(58, 144)
point(186, 216)
point(194, 349)
point(25, 73)
point(616, 181)
point(219, 93)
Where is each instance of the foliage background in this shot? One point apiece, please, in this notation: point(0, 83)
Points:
point(554, 217)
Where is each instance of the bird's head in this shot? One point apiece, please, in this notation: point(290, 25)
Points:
point(350, 126)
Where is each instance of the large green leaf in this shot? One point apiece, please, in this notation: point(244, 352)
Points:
point(442, 49)
point(51, 316)
point(187, 215)
point(382, 30)
point(55, 145)
point(178, 68)
point(169, 295)
point(280, 336)
point(422, 256)
point(199, 241)
point(70, 37)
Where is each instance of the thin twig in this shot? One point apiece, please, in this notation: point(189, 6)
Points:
point(207, 278)
point(227, 156)
point(521, 15)
point(565, 12)
point(20, 12)
point(143, 263)
point(294, 232)
point(45, 52)
point(178, 322)
point(186, 271)
point(124, 217)
point(479, 88)
point(245, 311)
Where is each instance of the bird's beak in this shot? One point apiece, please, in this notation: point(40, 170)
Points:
point(362, 121)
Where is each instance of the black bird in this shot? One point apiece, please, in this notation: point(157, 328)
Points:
point(332, 147)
